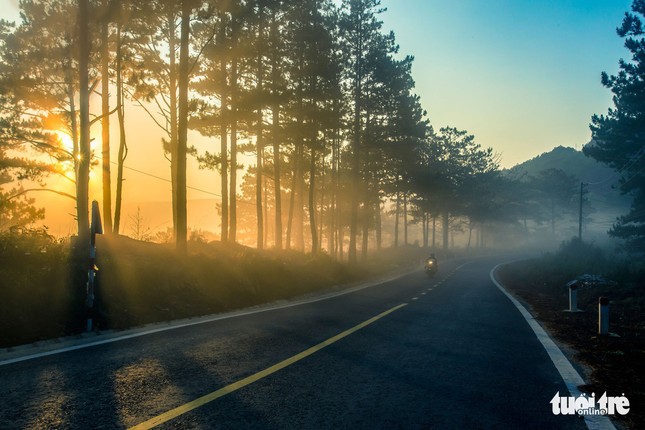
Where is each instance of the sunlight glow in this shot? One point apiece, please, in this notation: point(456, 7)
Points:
point(67, 144)
point(66, 140)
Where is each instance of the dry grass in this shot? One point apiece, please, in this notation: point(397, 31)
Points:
point(41, 294)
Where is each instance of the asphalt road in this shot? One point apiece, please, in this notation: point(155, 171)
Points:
point(448, 352)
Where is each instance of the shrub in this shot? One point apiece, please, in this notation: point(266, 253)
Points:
point(39, 293)
point(575, 257)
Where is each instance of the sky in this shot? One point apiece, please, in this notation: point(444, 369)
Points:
point(522, 76)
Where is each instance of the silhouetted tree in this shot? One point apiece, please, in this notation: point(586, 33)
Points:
point(617, 136)
point(555, 190)
point(40, 79)
point(360, 28)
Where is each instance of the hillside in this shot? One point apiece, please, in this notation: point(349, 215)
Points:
point(602, 182)
point(574, 162)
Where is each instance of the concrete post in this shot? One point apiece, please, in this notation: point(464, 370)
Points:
point(573, 297)
point(603, 316)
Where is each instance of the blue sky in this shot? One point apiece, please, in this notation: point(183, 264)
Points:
point(522, 76)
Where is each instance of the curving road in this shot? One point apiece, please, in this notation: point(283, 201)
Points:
point(448, 352)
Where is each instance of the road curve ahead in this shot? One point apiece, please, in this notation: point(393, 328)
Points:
point(448, 352)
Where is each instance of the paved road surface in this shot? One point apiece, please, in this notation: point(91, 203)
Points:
point(448, 352)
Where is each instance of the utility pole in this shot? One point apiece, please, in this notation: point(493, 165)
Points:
point(582, 187)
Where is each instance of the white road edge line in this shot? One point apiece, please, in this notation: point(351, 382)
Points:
point(570, 376)
point(134, 333)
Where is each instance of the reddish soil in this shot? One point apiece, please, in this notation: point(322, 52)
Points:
point(614, 364)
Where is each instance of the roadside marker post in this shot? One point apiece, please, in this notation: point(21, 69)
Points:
point(573, 296)
point(603, 316)
point(95, 228)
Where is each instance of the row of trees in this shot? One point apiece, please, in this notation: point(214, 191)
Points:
point(313, 90)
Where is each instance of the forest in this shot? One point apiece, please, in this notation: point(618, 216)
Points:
point(315, 92)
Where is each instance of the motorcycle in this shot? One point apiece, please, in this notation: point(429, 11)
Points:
point(431, 267)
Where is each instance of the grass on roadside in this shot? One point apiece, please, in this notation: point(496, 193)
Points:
point(42, 283)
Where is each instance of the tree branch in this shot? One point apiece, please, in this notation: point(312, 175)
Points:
point(62, 193)
point(98, 118)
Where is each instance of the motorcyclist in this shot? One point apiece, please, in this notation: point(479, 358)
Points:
point(431, 264)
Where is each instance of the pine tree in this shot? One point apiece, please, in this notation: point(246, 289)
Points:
point(617, 136)
point(45, 76)
point(360, 29)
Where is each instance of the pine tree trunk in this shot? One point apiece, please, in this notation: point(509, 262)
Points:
point(445, 229)
point(105, 123)
point(224, 181)
point(277, 187)
point(233, 185)
point(258, 192)
point(356, 164)
point(321, 211)
point(259, 139)
point(396, 220)
point(333, 208)
point(379, 227)
point(83, 177)
point(265, 205)
point(223, 135)
point(405, 218)
point(275, 112)
point(365, 231)
point(353, 222)
point(299, 209)
point(123, 147)
point(292, 199)
point(341, 242)
point(172, 77)
point(434, 232)
point(71, 97)
point(424, 233)
point(312, 202)
point(182, 130)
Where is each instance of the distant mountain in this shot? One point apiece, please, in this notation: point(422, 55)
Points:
point(574, 162)
point(602, 181)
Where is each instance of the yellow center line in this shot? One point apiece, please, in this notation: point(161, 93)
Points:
point(180, 410)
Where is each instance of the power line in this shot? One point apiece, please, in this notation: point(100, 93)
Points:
point(160, 178)
point(633, 176)
point(168, 180)
point(634, 159)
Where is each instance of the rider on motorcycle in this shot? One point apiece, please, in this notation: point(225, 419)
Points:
point(431, 266)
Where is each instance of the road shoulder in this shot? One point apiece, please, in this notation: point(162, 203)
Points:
point(569, 374)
